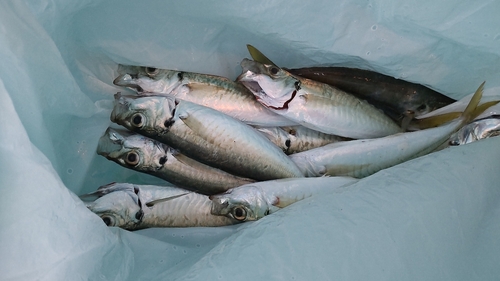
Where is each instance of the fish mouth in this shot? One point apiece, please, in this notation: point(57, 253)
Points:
point(248, 81)
point(127, 80)
point(251, 66)
point(251, 85)
point(111, 141)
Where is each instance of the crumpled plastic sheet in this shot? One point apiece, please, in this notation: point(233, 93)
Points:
point(433, 218)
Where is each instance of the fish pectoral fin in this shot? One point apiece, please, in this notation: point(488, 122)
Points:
point(103, 190)
point(152, 203)
point(258, 56)
point(184, 159)
point(192, 123)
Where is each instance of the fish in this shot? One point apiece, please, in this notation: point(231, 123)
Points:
point(132, 207)
point(295, 139)
point(204, 134)
point(254, 201)
point(478, 129)
point(397, 98)
point(315, 105)
point(361, 158)
point(143, 154)
point(213, 91)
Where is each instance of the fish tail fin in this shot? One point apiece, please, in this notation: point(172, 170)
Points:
point(470, 111)
point(433, 121)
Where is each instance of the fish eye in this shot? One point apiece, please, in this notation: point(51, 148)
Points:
point(163, 160)
point(137, 120)
point(109, 221)
point(274, 70)
point(139, 215)
point(151, 71)
point(422, 107)
point(239, 213)
point(132, 158)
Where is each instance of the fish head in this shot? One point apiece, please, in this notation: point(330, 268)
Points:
point(271, 85)
point(132, 150)
point(146, 114)
point(245, 203)
point(117, 204)
point(148, 79)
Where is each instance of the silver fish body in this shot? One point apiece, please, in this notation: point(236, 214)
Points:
point(313, 104)
point(144, 154)
point(477, 130)
point(212, 91)
point(296, 139)
point(361, 158)
point(206, 135)
point(133, 207)
point(255, 201)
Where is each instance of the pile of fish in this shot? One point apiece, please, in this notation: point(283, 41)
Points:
point(240, 150)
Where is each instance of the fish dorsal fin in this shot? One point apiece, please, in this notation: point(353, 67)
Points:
point(152, 203)
point(258, 56)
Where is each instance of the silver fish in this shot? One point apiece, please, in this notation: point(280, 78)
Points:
point(206, 135)
point(257, 200)
point(133, 207)
point(143, 154)
point(477, 130)
point(360, 158)
point(313, 104)
point(295, 139)
point(212, 91)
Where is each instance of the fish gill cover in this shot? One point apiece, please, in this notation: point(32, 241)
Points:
point(433, 218)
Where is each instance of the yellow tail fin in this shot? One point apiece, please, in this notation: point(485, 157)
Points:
point(438, 120)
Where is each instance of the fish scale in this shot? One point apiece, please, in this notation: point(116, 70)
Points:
point(238, 147)
point(295, 139)
point(336, 111)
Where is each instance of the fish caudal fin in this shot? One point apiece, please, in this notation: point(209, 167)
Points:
point(470, 111)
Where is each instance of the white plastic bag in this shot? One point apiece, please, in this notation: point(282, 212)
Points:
point(433, 218)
